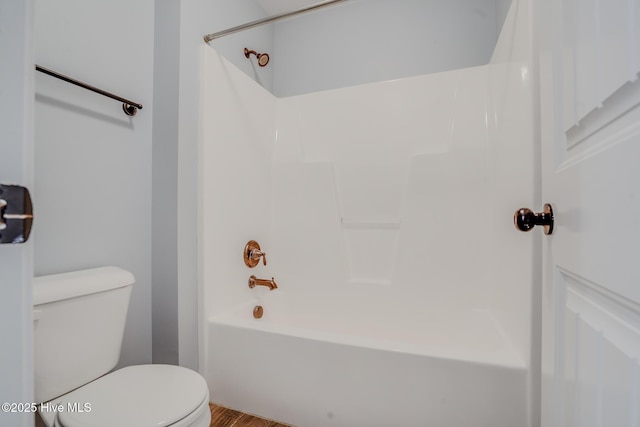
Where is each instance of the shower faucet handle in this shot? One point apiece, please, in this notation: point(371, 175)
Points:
point(256, 254)
point(252, 254)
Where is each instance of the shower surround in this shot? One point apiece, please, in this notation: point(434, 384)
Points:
point(404, 293)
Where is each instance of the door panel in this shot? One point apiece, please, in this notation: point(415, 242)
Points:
point(590, 117)
point(16, 268)
point(599, 340)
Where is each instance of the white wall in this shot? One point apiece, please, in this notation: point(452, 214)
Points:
point(16, 167)
point(403, 184)
point(197, 18)
point(401, 164)
point(375, 40)
point(235, 187)
point(93, 163)
point(407, 185)
point(514, 128)
point(502, 10)
point(164, 264)
point(125, 202)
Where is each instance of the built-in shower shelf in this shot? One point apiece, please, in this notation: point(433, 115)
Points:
point(376, 224)
point(371, 245)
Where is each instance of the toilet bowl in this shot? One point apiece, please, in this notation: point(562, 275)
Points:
point(78, 327)
point(143, 395)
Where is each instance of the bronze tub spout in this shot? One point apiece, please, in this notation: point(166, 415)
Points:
point(254, 281)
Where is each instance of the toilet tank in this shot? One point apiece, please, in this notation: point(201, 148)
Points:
point(79, 320)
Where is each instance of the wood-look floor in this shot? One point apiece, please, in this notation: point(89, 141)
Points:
point(224, 417)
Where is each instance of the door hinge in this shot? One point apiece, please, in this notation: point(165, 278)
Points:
point(16, 214)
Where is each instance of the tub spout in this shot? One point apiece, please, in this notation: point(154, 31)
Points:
point(254, 281)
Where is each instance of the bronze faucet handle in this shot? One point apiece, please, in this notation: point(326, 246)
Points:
point(256, 254)
point(252, 254)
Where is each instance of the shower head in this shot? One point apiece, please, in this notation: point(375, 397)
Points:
point(263, 58)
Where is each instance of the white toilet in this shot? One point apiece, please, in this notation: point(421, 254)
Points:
point(79, 320)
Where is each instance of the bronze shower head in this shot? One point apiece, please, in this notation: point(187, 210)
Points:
point(263, 58)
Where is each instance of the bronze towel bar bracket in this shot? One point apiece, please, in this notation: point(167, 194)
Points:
point(130, 108)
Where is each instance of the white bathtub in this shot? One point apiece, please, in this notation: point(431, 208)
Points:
point(318, 360)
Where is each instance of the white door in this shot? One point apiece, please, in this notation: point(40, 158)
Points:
point(16, 161)
point(590, 111)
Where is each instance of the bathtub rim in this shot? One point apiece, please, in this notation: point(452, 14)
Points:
point(507, 358)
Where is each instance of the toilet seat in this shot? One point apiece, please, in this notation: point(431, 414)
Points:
point(143, 395)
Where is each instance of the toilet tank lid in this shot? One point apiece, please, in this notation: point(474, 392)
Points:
point(58, 287)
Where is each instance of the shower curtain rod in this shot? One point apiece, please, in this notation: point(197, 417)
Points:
point(130, 108)
point(269, 19)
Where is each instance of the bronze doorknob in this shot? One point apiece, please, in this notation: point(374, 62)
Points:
point(525, 219)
